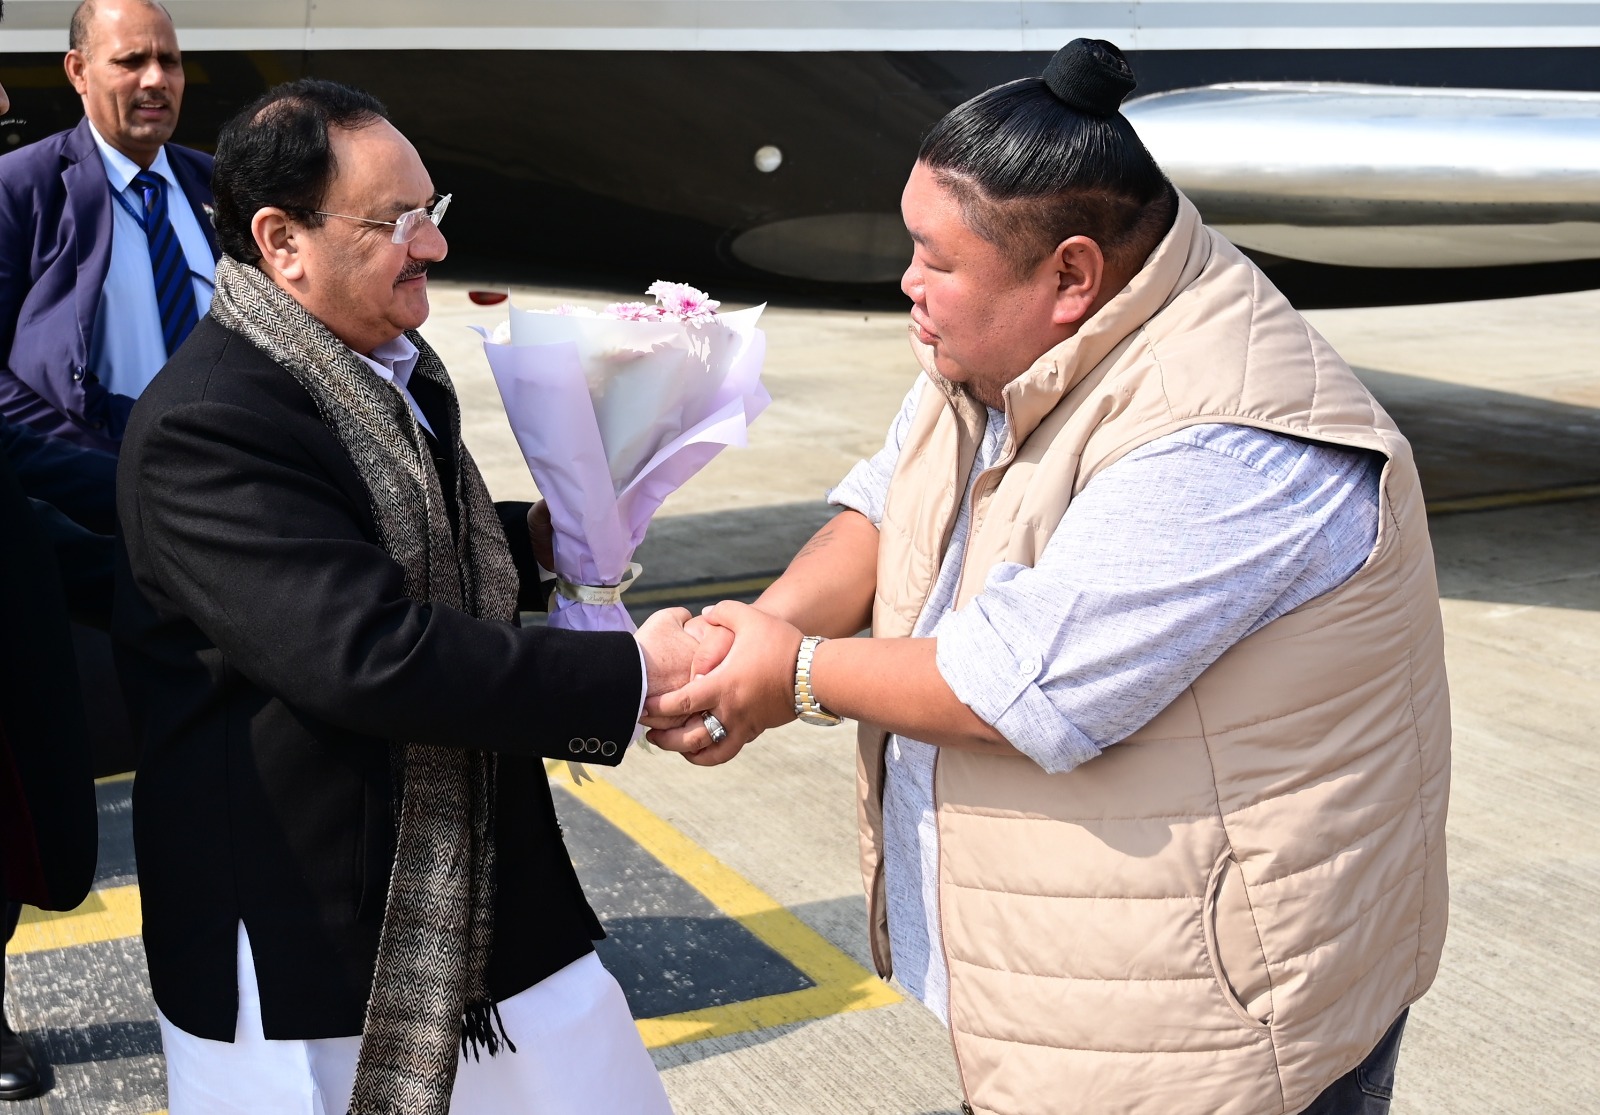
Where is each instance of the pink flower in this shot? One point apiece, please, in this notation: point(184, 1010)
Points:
point(684, 302)
point(631, 311)
point(567, 309)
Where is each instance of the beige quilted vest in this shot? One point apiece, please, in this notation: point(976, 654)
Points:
point(1224, 912)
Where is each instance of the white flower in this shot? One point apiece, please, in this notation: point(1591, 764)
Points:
point(683, 302)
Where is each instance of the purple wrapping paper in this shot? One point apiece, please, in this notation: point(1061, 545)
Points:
point(613, 417)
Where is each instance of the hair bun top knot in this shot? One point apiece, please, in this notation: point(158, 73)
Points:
point(1091, 76)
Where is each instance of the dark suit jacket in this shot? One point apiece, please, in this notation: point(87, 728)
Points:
point(55, 251)
point(270, 654)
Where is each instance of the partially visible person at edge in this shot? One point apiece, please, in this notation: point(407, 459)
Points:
point(52, 569)
point(354, 889)
point(109, 248)
point(1155, 736)
point(56, 517)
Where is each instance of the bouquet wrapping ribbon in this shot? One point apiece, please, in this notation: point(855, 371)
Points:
point(599, 594)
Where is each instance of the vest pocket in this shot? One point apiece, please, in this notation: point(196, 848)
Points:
point(1234, 946)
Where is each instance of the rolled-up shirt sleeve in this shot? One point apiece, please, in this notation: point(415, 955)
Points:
point(1161, 563)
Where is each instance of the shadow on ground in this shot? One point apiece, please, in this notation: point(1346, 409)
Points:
point(1473, 441)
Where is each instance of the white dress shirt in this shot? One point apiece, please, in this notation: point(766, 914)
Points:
point(395, 361)
point(128, 348)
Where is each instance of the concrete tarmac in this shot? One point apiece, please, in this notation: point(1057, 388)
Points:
point(758, 857)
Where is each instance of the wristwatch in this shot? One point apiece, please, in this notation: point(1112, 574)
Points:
point(806, 706)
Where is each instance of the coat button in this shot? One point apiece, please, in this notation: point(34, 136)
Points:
point(77, 373)
point(608, 748)
point(1029, 666)
point(575, 745)
point(592, 745)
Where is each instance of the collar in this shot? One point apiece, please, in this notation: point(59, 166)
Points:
point(120, 169)
point(393, 360)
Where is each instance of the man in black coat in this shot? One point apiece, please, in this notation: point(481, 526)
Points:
point(295, 642)
point(52, 567)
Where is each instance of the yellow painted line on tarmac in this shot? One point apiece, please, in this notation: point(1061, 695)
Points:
point(708, 590)
point(841, 984)
point(106, 915)
point(1498, 500)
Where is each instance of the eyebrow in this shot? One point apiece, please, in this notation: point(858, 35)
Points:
point(399, 207)
point(135, 55)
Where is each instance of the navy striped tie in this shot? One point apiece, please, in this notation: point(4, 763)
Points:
point(174, 291)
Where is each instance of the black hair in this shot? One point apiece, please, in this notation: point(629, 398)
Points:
point(83, 14)
point(1041, 159)
point(276, 153)
point(78, 29)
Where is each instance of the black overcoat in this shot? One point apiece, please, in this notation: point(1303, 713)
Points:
point(270, 654)
point(50, 567)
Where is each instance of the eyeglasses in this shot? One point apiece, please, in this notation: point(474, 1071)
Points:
point(406, 225)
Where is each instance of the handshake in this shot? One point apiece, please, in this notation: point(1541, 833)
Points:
point(717, 680)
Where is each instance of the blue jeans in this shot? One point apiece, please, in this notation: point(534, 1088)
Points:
point(1365, 1089)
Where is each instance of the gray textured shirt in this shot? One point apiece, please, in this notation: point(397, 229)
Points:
point(1162, 562)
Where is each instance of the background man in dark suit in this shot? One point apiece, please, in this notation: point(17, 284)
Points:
point(349, 863)
point(108, 246)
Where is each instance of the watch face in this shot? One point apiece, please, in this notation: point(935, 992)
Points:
point(826, 719)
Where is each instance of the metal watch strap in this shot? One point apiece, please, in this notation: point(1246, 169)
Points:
point(806, 705)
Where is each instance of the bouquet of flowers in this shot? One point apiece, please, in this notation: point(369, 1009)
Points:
point(614, 410)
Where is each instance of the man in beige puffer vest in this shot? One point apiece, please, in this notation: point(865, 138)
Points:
point(1154, 744)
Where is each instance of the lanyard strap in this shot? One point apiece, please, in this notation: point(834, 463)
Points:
point(122, 200)
point(128, 208)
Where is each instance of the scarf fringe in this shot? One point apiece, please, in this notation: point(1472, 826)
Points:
point(478, 1033)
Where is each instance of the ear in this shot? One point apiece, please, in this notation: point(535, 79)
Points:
point(75, 63)
point(278, 241)
point(1080, 268)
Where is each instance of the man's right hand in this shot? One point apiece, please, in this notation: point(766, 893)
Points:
point(669, 650)
point(751, 691)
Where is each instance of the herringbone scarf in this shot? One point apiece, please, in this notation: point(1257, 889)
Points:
point(429, 997)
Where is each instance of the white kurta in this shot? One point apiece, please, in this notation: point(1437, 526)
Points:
point(578, 1053)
